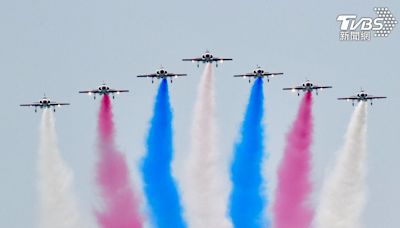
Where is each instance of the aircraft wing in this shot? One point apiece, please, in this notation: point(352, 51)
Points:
point(118, 91)
point(321, 87)
point(349, 98)
point(193, 59)
point(245, 75)
point(369, 97)
point(58, 104)
point(272, 74)
point(221, 59)
point(374, 97)
point(294, 88)
point(175, 75)
point(35, 104)
point(147, 76)
point(89, 91)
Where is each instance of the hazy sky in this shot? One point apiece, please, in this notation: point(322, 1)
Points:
point(59, 47)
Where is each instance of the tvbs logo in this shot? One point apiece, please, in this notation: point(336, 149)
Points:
point(349, 22)
point(353, 28)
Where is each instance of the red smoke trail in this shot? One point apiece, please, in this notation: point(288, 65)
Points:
point(294, 186)
point(120, 206)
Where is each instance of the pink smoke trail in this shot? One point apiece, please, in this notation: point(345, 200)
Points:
point(120, 206)
point(294, 186)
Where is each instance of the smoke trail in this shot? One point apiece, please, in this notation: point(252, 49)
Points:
point(291, 202)
point(205, 181)
point(247, 201)
point(121, 208)
point(58, 206)
point(159, 185)
point(343, 195)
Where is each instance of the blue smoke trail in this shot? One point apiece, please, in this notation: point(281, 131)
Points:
point(159, 185)
point(247, 199)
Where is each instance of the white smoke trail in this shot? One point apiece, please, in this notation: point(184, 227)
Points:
point(58, 208)
point(343, 195)
point(205, 181)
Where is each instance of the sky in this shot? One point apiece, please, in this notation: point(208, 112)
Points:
point(60, 47)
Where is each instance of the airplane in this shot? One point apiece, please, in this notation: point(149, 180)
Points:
point(161, 73)
point(361, 96)
point(103, 89)
point(307, 86)
point(257, 73)
point(45, 103)
point(207, 57)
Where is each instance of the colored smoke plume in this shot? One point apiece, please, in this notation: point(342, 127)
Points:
point(120, 206)
point(159, 185)
point(291, 207)
point(205, 182)
point(58, 205)
point(343, 194)
point(247, 200)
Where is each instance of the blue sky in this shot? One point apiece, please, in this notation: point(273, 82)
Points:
point(60, 47)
